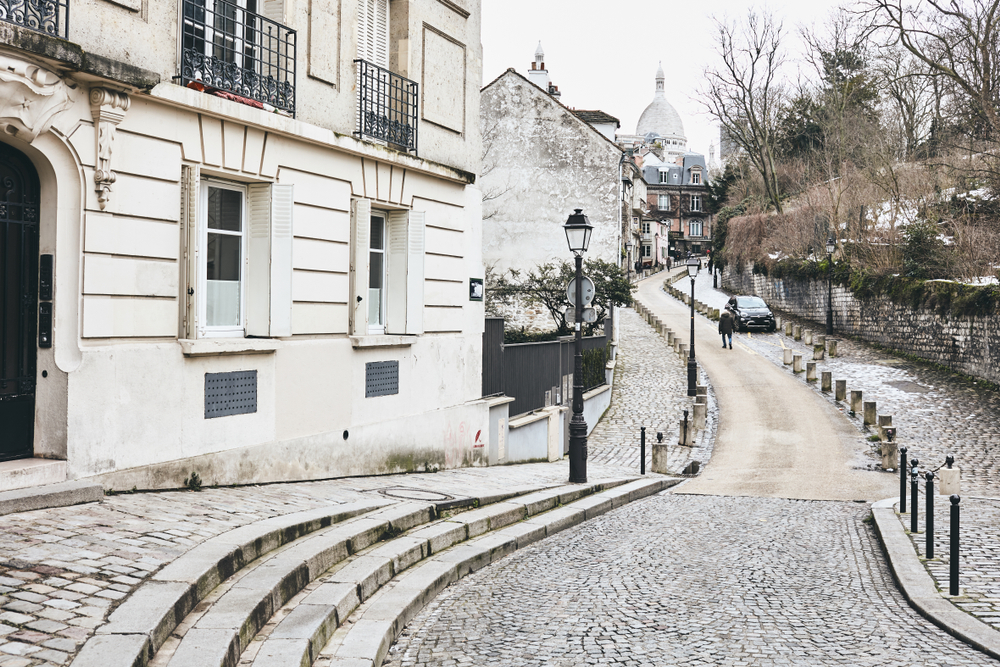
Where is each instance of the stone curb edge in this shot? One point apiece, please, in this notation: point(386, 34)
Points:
point(919, 588)
point(371, 640)
point(60, 494)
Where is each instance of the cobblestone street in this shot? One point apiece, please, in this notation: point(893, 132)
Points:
point(693, 580)
point(650, 390)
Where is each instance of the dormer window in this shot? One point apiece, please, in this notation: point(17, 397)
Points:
point(695, 177)
point(663, 175)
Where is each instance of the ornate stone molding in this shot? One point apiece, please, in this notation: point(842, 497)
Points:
point(31, 97)
point(108, 107)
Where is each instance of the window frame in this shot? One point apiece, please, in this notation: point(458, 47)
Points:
point(204, 329)
point(660, 200)
point(664, 175)
point(696, 177)
point(696, 202)
point(379, 329)
point(701, 227)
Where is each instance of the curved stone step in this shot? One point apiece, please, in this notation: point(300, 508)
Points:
point(223, 631)
point(139, 626)
point(367, 640)
point(495, 531)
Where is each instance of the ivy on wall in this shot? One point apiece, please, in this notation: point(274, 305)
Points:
point(947, 298)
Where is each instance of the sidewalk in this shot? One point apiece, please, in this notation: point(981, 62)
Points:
point(936, 413)
point(63, 569)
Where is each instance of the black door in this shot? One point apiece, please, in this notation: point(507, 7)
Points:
point(19, 199)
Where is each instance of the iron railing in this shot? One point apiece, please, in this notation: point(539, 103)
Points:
point(230, 48)
point(526, 371)
point(47, 16)
point(387, 107)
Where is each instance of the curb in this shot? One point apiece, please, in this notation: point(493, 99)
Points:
point(60, 494)
point(919, 588)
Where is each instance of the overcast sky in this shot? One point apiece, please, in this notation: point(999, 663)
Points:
point(604, 55)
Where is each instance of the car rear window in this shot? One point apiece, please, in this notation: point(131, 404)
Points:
point(750, 302)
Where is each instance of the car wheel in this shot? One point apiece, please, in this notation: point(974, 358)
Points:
point(771, 328)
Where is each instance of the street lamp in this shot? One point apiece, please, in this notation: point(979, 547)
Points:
point(831, 245)
point(693, 264)
point(578, 230)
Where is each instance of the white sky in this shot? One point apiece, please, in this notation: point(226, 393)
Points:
point(604, 55)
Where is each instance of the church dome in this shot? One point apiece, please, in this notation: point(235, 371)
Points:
point(660, 117)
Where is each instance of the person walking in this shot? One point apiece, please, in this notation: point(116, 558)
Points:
point(726, 327)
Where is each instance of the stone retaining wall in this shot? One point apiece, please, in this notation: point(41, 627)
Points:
point(969, 345)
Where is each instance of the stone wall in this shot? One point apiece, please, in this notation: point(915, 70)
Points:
point(969, 345)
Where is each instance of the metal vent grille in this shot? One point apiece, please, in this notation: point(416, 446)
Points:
point(230, 393)
point(381, 378)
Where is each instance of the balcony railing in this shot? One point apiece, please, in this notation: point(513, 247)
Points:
point(387, 107)
point(230, 49)
point(47, 16)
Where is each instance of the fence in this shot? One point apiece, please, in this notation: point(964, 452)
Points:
point(528, 371)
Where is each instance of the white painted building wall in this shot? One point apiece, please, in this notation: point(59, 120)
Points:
point(122, 399)
point(546, 162)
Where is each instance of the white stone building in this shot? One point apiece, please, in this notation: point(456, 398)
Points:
point(544, 162)
point(223, 248)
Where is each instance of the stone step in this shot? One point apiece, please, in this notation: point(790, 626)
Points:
point(137, 629)
point(454, 547)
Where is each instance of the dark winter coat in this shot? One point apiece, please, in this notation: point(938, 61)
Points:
point(726, 323)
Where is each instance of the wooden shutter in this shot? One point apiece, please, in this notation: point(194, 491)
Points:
point(373, 31)
point(190, 206)
point(282, 201)
point(361, 220)
point(396, 257)
point(415, 273)
point(269, 260)
point(258, 292)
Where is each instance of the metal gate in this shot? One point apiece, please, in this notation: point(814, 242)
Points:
point(19, 201)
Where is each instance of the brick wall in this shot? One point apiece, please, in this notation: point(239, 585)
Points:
point(969, 345)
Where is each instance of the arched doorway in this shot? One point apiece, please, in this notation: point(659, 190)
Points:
point(19, 207)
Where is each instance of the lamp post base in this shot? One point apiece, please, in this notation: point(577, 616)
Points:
point(577, 449)
point(692, 377)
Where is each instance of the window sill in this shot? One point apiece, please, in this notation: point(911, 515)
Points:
point(215, 347)
point(358, 342)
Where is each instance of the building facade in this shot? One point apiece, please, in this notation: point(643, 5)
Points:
point(541, 162)
point(245, 238)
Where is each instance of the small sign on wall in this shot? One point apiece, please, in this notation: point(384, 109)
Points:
point(475, 289)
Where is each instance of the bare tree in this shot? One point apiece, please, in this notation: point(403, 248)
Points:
point(745, 94)
point(957, 39)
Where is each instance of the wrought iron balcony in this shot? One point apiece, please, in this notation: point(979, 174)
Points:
point(387, 107)
point(228, 48)
point(47, 16)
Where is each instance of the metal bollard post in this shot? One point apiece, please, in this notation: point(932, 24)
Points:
point(642, 450)
point(929, 521)
point(902, 480)
point(913, 496)
point(953, 556)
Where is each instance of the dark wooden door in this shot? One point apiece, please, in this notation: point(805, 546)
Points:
point(19, 200)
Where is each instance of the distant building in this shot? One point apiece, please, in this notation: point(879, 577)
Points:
point(543, 160)
point(676, 222)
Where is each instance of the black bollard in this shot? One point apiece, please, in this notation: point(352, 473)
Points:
point(642, 450)
point(902, 480)
point(929, 521)
point(913, 496)
point(953, 556)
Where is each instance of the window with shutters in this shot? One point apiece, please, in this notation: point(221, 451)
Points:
point(387, 271)
point(238, 248)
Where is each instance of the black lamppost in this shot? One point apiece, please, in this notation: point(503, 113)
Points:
point(578, 229)
point(831, 245)
point(693, 264)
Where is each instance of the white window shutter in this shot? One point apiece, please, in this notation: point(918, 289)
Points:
point(415, 273)
point(396, 297)
point(373, 31)
point(361, 219)
point(281, 260)
point(258, 296)
point(190, 200)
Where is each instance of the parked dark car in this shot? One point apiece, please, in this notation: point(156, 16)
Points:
point(750, 312)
